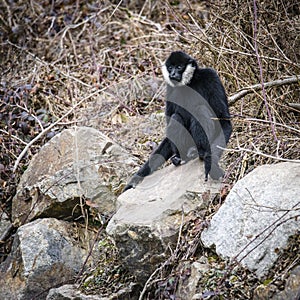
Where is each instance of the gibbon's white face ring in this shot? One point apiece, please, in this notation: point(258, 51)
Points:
point(165, 73)
point(187, 76)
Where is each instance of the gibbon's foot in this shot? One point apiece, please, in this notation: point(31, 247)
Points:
point(216, 172)
point(133, 182)
point(176, 161)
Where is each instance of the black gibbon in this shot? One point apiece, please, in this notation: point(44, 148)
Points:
point(197, 116)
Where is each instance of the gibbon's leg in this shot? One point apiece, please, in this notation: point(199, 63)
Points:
point(217, 146)
point(202, 145)
point(207, 164)
point(174, 133)
point(156, 159)
point(180, 138)
point(208, 135)
point(227, 129)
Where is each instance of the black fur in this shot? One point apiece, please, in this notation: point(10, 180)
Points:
point(197, 116)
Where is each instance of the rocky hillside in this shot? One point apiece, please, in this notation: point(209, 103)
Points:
point(97, 64)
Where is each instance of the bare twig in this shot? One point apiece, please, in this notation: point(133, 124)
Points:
point(295, 105)
point(257, 87)
point(275, 123)
point(171, 258)
point(91, 249)
point(257, 152)
point(275, 225)
point(150, 278)
point(13, 136)
point(272, 227)
point(9, 14)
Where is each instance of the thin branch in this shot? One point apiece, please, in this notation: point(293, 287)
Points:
point(274, 225)
point(171, 258)
point(91, 249)
point(13, 136)
point(275, 123)
point(150, 278)
point(257, 87)
point(257, 152)
point(295, 105)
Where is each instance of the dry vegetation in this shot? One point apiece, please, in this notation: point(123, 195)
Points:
point(97, 63)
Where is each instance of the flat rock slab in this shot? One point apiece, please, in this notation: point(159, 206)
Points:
point(149, 217)
point(259, 215)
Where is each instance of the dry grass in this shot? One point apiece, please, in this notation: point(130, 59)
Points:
point(97, 63)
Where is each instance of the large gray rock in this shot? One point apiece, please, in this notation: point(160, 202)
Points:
point(258, 217)
point(45, 253)
point(78, 163)
point(149, 218)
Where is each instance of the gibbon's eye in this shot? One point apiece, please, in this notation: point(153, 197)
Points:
point(170, 68)
point(179, 67)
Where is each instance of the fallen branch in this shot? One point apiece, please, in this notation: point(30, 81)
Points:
point(51, 126)
point(295, 105)
point(257, 87)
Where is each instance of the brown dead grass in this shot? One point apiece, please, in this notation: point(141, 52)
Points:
point(55, 54)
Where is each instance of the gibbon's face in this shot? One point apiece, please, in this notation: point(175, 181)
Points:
point(178, 69)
